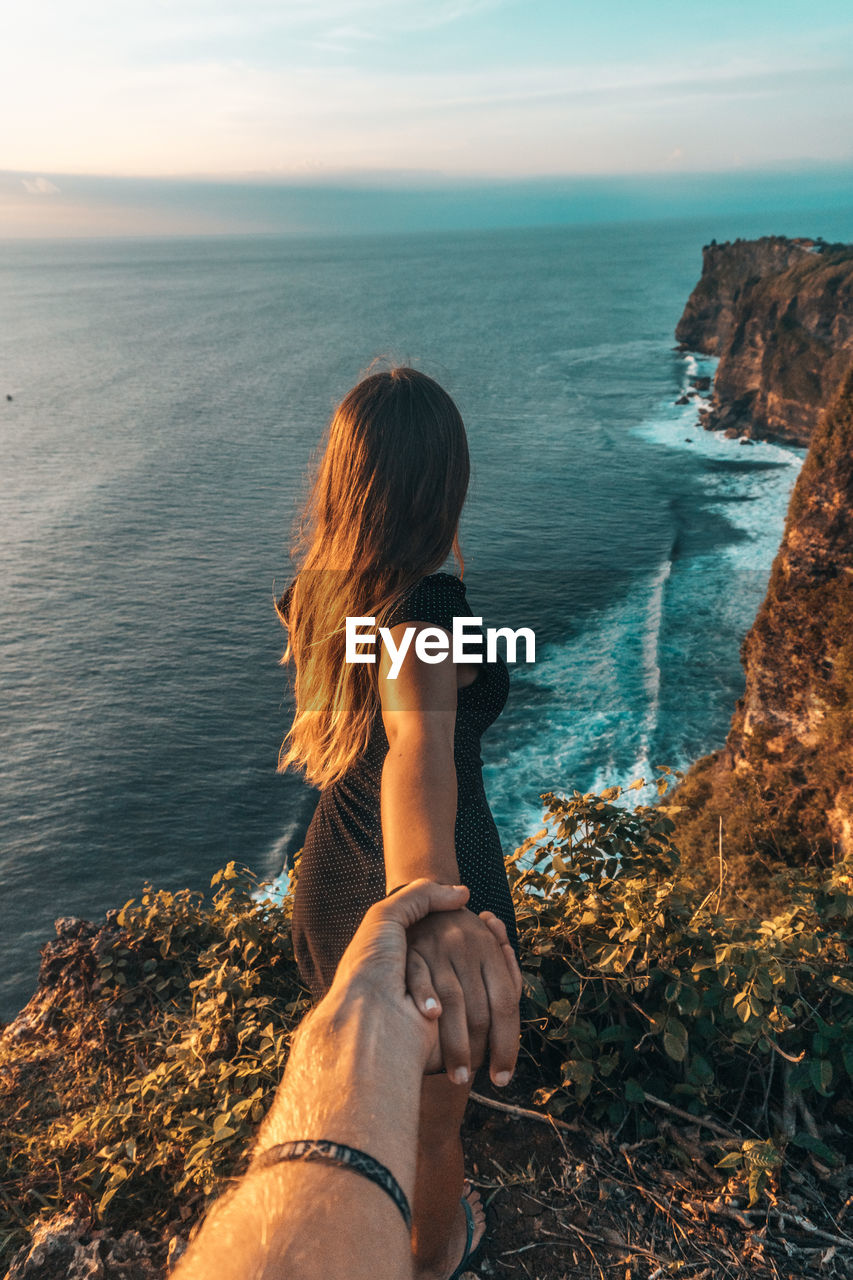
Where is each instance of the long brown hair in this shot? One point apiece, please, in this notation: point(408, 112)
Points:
point(383, 512)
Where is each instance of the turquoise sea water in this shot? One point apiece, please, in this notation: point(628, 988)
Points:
point(166, 399)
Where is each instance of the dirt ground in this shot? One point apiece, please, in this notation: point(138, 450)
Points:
point(566, 1203)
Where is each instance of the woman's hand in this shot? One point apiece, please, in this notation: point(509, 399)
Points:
point(370, 985)
point(466, 963)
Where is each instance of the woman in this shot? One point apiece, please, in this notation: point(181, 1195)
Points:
point(397, 761)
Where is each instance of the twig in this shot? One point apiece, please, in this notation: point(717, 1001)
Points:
point(587, 1246)
point(789, 1119)
point(705, 1121)
point(746, 1075)
point(765, 1110)
point(541, 1203)
point(534, 1244)
point(810, 1229)
point(511, 1181)
point(667, 1208)
point(719, 890)
point(694, 1152)
point(702, 1275)
point(789, 1057)
point(722, 863)
point(14, 1208)
point(742, 1217)
point(524, 1112)
point(822, 1170)
point(614, 1242)
point(808, 1119)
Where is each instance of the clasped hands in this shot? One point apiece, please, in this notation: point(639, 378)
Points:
point(445, 976)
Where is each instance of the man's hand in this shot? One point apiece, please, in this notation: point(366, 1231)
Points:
point(449, 976)
point(372, 970)
point(466, 964)
point(354, 1076)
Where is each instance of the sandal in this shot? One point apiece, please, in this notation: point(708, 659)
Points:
point(469, 1253)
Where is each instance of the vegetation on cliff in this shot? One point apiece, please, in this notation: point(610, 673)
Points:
point(133, 1081)
point(779, 314)
point(782, 787)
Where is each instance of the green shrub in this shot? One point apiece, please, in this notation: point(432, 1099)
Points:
point(160, 1065)
point(636, 985)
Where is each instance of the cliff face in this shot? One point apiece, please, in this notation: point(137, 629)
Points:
point(783, 784)
point(779, 314)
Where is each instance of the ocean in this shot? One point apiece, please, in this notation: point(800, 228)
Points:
point(167, 397)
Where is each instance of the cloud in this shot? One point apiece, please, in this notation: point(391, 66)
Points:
point(40, 187)
point(141, 32)
point(207, 86)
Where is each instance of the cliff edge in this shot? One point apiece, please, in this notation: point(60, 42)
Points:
point(783, 783)
point(779, 314)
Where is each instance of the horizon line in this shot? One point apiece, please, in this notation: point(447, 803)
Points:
point(431, 177)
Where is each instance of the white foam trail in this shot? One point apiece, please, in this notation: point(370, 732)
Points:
point(275, 855)
point(601, 691)
point(651, 663)
point(597, 700)
point(274, 858)
point(754, 502)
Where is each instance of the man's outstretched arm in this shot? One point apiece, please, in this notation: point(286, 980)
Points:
point(353, 1077)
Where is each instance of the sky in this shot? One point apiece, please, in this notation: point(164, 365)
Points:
point(400, 95)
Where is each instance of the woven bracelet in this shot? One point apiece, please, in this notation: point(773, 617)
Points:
point(347, 1158)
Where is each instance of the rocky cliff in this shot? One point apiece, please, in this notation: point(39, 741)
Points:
point(779, 314)
point(783, 784)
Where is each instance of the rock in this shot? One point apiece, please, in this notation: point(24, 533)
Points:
point(69, 964)
point(55, 1252)
point(702, 383)
point(64, 1248)
point(129, 1247)
point(72, 927)
point(683, 400)
point(787, 766)
point(177, 1248)
point(779, 314)
point(746, 440)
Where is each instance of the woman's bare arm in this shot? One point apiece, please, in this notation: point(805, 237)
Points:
point(458, 954)
point(418, 801)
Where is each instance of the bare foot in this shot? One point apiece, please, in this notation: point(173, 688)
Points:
point(460, 1229)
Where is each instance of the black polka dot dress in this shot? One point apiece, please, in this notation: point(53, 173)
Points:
point(342, 871)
